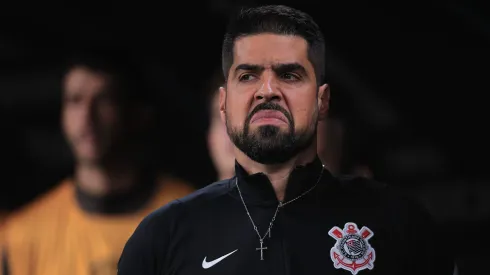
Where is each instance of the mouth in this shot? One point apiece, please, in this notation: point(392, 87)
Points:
point(269, 116)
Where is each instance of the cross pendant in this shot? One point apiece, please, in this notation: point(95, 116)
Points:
point(261, 250)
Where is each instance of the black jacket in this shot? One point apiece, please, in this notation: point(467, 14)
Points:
point(343, 226)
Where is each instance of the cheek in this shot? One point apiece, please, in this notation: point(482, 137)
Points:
point(70, 121)
point(302, 109)
point(236, 112)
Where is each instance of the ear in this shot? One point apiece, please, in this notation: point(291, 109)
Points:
point(323, 101)
point(222, 103)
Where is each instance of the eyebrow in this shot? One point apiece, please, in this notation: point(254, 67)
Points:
point(249, 67)
point(289, 67)
point(278, 68)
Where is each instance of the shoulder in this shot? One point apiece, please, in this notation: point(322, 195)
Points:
point(360, 184)
point(31, 225)
point(176, 210)
point(207, 194)
point(412, 223)
point(158, 232)
point(42, 210)
point(378, 194)
point(146, 248)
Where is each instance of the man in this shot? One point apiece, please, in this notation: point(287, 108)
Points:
point(81, 226)
point(282, 213)
point(219, 144)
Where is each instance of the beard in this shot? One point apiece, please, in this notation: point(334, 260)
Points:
point(269, 144)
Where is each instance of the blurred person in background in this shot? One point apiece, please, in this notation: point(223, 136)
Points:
point(331, 147)
point(330, 143)
point(219, 144)
point(81, 226)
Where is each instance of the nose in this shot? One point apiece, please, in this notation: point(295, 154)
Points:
point(269, 90)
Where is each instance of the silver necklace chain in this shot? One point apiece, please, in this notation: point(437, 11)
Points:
point(281, 204)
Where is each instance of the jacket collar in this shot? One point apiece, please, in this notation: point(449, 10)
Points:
point(257, 188)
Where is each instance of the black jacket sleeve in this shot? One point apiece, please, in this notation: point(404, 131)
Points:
point(146, 251)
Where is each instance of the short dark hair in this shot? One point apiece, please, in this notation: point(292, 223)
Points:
point(276, 19)
point(120, 64)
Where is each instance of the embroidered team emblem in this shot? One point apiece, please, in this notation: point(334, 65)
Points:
point(352, 251)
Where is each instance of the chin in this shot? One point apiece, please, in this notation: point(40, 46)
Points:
point(269, 127)
point(277, 126)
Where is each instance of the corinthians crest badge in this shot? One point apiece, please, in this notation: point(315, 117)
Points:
point(352, 250)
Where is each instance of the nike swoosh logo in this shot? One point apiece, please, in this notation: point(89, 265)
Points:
point(207, 265)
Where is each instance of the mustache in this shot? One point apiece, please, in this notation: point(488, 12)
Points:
point(269, 106)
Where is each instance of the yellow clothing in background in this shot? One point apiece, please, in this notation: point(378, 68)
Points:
point(53, 236)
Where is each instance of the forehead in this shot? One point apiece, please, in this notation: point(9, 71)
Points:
point(80, 79)
point(267, 49)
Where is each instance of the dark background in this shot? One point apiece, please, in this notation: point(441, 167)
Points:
point(409, 79)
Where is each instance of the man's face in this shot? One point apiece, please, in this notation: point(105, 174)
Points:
point(90, 114)
point(271, 104)
point(219, 144)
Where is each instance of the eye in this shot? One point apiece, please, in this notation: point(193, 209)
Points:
point(290, 77)
point(246, 77)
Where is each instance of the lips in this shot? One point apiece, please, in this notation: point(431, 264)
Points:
point(269, 114)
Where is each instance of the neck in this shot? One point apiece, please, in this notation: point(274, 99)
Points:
point(117, 189)
point(278, 174)
point(226, 175)
point(102, 180)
